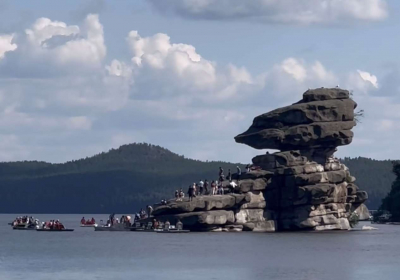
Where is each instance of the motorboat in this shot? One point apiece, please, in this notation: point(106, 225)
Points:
point(114, 227)
point(173, 231)
point(55, 229)
point(25, 226)
point(89, 225)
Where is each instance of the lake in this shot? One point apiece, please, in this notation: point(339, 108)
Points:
point(86, 254)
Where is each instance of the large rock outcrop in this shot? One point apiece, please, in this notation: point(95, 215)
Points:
point(300, 187)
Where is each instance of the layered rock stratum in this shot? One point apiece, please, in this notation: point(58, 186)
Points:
point(300, 187)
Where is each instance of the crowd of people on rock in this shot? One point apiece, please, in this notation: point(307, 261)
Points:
point(91, 221)
point(53, 225)
point(215, 187)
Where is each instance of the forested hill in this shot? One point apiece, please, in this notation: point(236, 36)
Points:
point(120, 180)
point(125, 179)
point(374, 176)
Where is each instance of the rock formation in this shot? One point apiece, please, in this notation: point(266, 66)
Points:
point(303, 186)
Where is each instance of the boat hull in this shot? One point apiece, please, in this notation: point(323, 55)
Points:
point(112, 229)
point(55, 230)
point(93, 225)
point(174, 231)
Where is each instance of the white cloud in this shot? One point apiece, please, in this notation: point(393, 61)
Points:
point(272, 11)
point(6, 44)
point(54, 48)
point(369, 78)
point(167, 69)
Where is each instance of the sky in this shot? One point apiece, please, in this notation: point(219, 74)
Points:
point(80, 77)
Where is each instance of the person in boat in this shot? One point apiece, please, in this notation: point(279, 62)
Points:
point(83, 221)
point(111, 219)
point(167, 225)
point(155, 224)
point(92, 221)
point(179, 225)
point(137, 217)
point(201, 187)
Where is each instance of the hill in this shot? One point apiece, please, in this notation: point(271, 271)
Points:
point(120, 180)
point(132, 176)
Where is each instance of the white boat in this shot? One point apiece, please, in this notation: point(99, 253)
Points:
point(25, 226)
point(173, 231)
point(89, 225)
point(114, 227)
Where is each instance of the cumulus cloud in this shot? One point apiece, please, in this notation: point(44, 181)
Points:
point(6, 44)
point(169, 69)
point(272, 11)
point(369, 78)
point(55, 48)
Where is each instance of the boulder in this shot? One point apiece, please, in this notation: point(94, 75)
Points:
point(201, 220)
point(264, 226)
point(321, 94)
point(316, 178)
point(250, 185)
point(253, 175)
point(200, 203)
point(325, 123)
point(244, 216)
point(254, 200)
point(362, 211)
point(279, 159)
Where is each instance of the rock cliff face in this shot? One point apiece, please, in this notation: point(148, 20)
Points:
point(303, 186)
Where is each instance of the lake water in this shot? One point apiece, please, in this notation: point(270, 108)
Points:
point(86, 254)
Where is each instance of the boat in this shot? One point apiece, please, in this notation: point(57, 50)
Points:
point(114, 227)
point(54, 230)
point(25, 226)
point(89, 225)
point(173, 231)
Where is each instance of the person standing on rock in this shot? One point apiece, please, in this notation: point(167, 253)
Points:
point(181, 194)
point(221, 174)
point(220, 188)
point(201, 187)
point(177, 195)
point(232, 186)
point(205, 186)
point(229, 176)
point(149, 210)
point(239, 171)
point(191, 191)
point(213, 187)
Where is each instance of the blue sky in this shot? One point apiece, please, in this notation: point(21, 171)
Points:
point(81, 77)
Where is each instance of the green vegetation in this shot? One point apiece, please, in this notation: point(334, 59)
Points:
point(132, 176)
point(373, 176)
point(121, 180)
point(391, 203)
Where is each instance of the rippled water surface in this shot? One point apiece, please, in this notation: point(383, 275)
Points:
point(86, 254)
